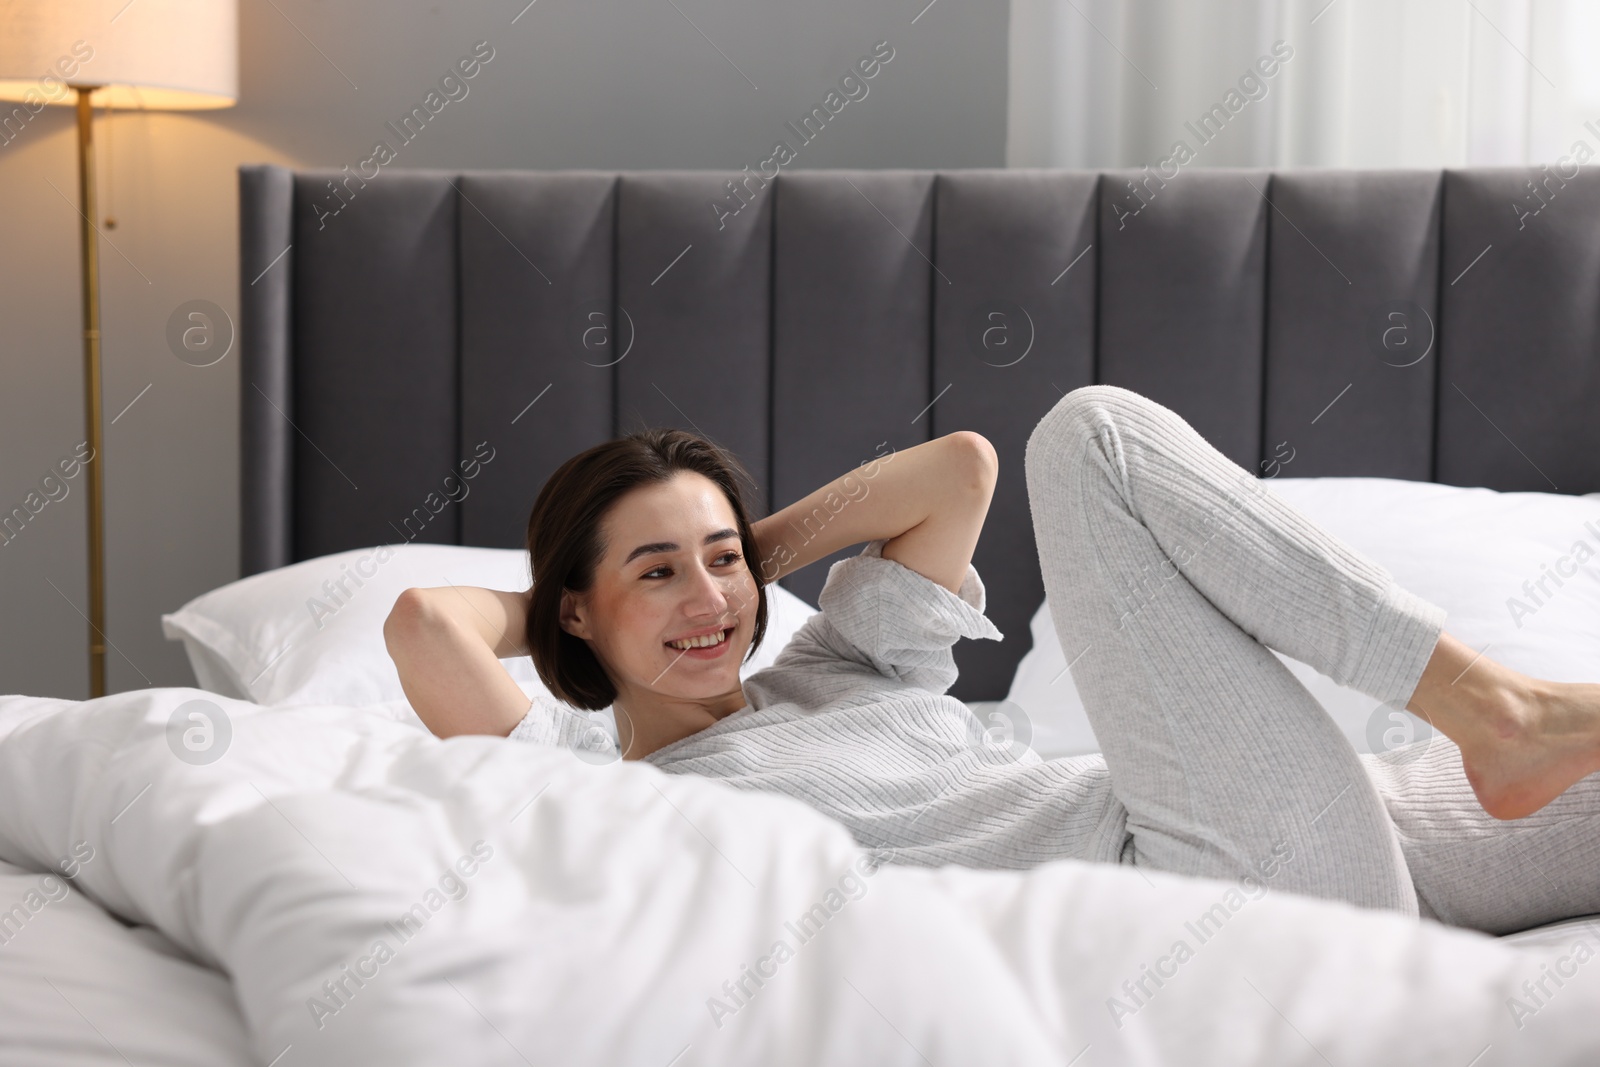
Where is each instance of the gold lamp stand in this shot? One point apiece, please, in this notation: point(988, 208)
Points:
point(95, 486)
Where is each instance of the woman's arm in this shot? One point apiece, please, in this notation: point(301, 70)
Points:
point(929, 500)
point(447, 643)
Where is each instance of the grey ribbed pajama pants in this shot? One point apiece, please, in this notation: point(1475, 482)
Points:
point(1171, 571)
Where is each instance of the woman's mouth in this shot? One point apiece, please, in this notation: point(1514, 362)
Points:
point(699, 648)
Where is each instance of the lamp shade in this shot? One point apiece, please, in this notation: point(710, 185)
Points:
point(156, 54)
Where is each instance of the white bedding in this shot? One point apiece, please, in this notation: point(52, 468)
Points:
point(608, 904)
point(80, 989)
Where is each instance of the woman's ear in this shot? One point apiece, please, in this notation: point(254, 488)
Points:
point(574, 614)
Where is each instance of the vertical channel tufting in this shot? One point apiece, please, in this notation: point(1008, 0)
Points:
point(1262, 466)
point(266, 368)
point(772, 324)
point(1519, 376)
point(1439, 330)
point(935, 277)
point(535, 354)
point(458, 489)
point(375, 362)
point(850, 340)
point(617, 336)
point(840, 329)
point(696, 295)
point(1351, 345)
point(1183, 269)
point(1013, 333)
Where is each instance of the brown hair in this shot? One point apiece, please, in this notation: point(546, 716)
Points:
point(564, 543)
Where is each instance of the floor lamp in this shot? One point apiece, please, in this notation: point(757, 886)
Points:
point(126, 54)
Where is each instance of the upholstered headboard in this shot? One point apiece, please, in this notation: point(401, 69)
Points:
point(1436, 326)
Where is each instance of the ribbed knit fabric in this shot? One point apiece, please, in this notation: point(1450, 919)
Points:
point(549, 722)
point(1473, 870)
point(1170, 572)
point(853, 718)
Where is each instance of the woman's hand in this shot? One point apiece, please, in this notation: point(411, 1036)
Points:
point(447, 643)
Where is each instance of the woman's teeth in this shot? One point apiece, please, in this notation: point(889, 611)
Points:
point(700, 642)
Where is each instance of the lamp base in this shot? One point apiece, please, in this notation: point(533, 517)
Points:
point(94, 466)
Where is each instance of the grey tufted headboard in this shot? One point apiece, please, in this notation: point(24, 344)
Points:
point(1435, 326)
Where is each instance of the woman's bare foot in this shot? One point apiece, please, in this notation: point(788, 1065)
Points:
point(1530, 750)
point(1524, 741)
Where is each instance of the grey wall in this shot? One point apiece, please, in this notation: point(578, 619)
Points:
point(611, 85)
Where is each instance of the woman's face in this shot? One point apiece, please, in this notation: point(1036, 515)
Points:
point(673, 566)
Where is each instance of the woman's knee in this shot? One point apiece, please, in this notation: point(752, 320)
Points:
point(1074, 421)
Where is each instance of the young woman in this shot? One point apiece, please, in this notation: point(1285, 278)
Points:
point(1170, 572)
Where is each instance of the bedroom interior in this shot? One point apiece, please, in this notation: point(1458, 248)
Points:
point(1372, 285)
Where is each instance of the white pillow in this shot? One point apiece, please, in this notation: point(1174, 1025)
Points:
point(1468, 550)
point(295, 635)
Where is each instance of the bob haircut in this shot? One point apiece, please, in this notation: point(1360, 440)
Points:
point(564, 544)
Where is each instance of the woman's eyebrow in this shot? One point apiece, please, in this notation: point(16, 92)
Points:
point(672, 546)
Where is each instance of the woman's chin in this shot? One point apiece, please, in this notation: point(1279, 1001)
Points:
point(708, 680)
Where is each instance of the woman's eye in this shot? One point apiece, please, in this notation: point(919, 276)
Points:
point(730, 557)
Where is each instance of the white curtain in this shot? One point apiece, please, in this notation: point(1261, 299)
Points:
point(1370, 83)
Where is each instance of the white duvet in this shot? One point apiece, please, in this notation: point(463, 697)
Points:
point(380, 896)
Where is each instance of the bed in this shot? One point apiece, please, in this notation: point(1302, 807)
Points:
point(280, 867)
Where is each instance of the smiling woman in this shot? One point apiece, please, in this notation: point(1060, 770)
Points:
point(645, 598)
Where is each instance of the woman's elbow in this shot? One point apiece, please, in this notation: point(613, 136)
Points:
point(406, 619)
point(981, 463)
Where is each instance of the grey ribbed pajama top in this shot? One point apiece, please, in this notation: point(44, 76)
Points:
point(852, 718)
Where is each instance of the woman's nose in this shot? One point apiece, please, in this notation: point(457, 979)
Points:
point(714, 594)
